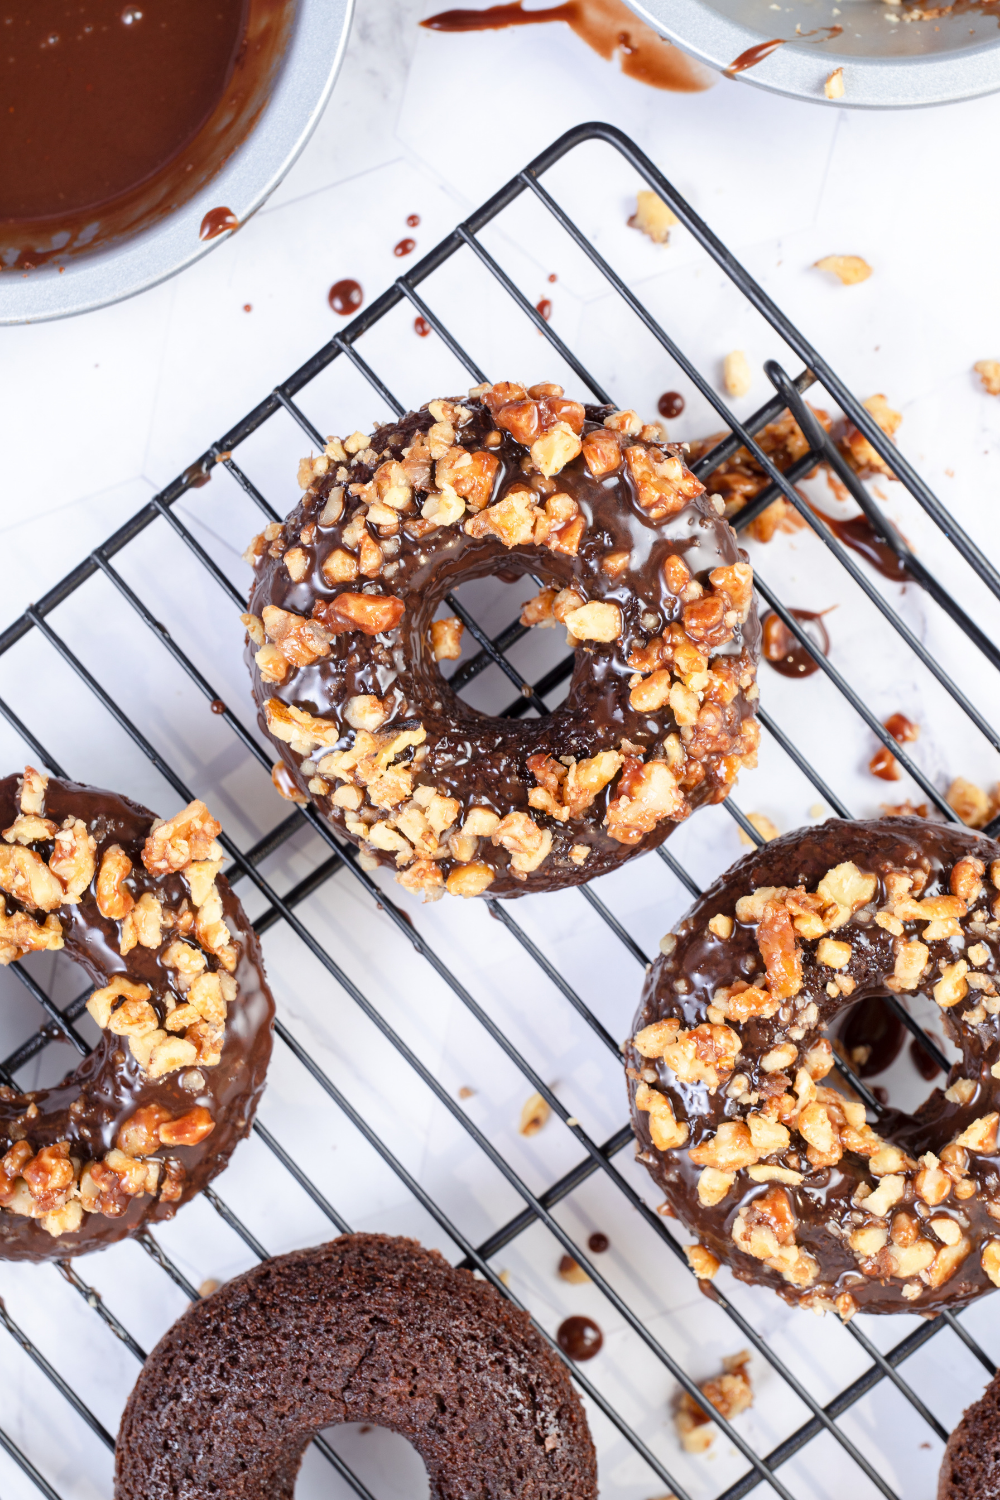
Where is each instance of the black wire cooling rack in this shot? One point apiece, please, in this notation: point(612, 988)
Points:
point(596, 1157)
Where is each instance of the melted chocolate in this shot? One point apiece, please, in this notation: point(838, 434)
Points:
point(754, 55)
point(216, 222)
point(785, 652)
point(345, 296)
point(478, 760)
point(924, 1063)
point(598, 1243)
point(421, 327)
point(682, 986)
point(404, 247)
point(89, 1106)
point(875, 1028)
point(412, 220)
point(544, 308)
point(580, 1338)
point(670, 404)
point(606, 25)
point(115, 115)
point(858, 534)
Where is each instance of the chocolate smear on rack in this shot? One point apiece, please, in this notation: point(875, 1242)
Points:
point(580, 1338)
point(117, 116)
point(784, 651)
point(608, 26)
point(421, 327)
point(404, 247)
point(754, 55)
point(544, 309)
point(412, 220)
point(926, 1065)
point(345, 296)
point(598, 1243)
point(858, 533)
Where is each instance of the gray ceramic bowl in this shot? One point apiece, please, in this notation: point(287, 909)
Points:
point(286, 113)
point(888, 63)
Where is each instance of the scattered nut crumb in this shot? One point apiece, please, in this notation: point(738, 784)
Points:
point(534, 1115)
point(730, 1393)
point(833, 88)
point(763, 825)
point(570, 1271)
point(652, 217)
point(504, 1277)
point(850, 269)
point(465, 1092)
point(988, 371)
point(208, 1287)
point(971, 803)
point(736, 375)
point(817, 810)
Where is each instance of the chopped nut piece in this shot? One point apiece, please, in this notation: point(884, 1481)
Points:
point(189, 835)
point(886, 1195)
point(25, 876)
point(849, 269)
point(189, 1129)
point(511, 519)
point(470, 879)
point(990, 1260)
point(527, 843)
point(736, 376)
point(763, 825)
point(534, 1115)
point(665, 1130)
point(595, 622)
point(702, 1262)
point(652, 217)
point(833, 955)
point(988, 371)
point(101, 1001)
point(833, 88)
point(714, 1185)
point(446, 639)
point(72, 860)
point(647, 793)
point(570, 1271)
point(33, 786)
point(952, 986)
point(970, 802)
point(705, 1054)
point(728, 1393)
point(981, 1135)
point(911, 959)
point(721, 926)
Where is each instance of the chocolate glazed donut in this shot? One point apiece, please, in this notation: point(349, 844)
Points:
point(636, 563)
point(154, 1112)
point(365, 1329)
point(779, 1174)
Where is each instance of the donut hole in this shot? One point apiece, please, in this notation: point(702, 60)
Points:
point(385, 1461)
point(884, 1053)
point(495, 603)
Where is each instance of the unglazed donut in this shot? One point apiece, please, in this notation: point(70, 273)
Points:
point(154, 1112)
point(365, 1329)
point(777, 1173)
point(971, 1466)
point(656, 596)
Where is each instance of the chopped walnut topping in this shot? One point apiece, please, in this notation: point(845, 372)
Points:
point(595, 622)
point(72, 860)
point(602, 453)
point(776, 939)
point(33, 787)
point(765, 1229)
point(25, 876)
point(144, 924)
point(730, 1393)
point(446, 639)
point(302, 730)
point(101, 1001)
point(990, 1260)
point(566, 791)
point(971, 803)
point(20, 934)
point(833, 88)
point(730, 1149)
point(833, 955)
point(425, 877)
point(527, 843)
point(647, 793)
point(470, 879)
point(571, 1272)
point(721, 926)
point(705, 1054)
point(665, 1130)
point(664, 485)
point(511, 519)
point(702, 1262)
point(981, 1135)
point(28, 828)
point(189, 835)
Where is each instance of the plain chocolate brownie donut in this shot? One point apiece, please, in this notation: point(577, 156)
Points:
point(779, 1174)
point(368, 1328)
point(970, 1469)
point(155, 1111)
point(635, 562)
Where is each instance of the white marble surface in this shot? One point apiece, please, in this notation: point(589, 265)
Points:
point(101, 411)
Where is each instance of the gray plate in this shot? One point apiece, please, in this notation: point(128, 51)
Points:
point(304, 84)
point(888, 63)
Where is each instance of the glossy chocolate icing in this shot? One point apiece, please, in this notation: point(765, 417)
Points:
point(682, 984)
point(92, 1102)
point(477, 759)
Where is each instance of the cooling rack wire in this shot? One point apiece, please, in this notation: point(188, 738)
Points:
point(323, 860)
